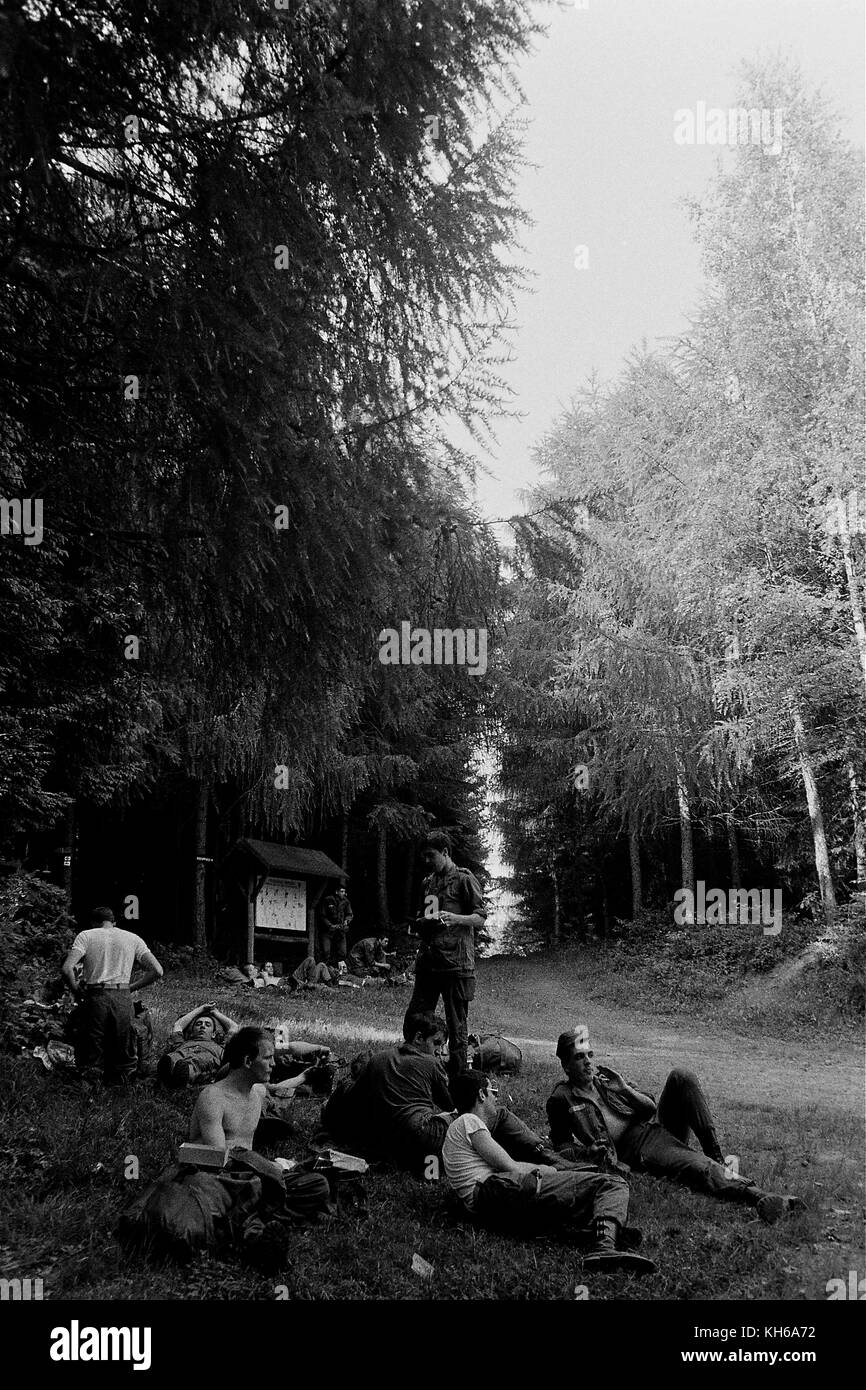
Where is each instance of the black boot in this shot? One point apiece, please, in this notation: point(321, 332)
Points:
point(604, 1256)
point(772, 1206)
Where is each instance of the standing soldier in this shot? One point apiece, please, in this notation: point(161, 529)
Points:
point(108, 955)
point(336, 920)
point(453, 908)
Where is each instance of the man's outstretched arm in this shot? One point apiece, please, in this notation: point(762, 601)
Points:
point(288, 1087)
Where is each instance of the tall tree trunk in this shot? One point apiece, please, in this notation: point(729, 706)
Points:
point(859, 825)
point(382, 878)
point(687, 849)
point(69, 855)
point(813, 801)
point(344, 841)
point(605, 909)
point(557, 913)
point(199, 936)
point(733, 851)
point(636, 879)
point(853, 589)
point(409, 884)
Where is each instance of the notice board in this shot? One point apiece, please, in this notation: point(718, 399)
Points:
point(282, 906)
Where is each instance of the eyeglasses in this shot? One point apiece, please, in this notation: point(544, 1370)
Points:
point(493, 1090)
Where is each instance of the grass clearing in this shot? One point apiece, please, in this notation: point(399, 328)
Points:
point(58, 1213)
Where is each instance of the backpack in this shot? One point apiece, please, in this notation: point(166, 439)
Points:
point(185, 1211)
point(496, 1055)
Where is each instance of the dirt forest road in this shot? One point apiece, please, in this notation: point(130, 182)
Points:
point(531, 1001)
point(532, 1006)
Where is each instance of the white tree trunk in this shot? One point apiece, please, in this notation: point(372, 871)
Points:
point(853, 588)
point(859, 826)
point(813, 801)
point(687, 852)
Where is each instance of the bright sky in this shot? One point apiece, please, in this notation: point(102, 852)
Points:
point(602, 89)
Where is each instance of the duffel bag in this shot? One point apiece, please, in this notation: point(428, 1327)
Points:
point(496, 1055)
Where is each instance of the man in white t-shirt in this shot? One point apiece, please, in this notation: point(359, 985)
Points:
point(517, 1197)
point(108, 957)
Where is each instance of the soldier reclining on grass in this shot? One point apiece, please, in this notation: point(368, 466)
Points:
point(520, 1197)
point(195, 1047)
point(597, 1115)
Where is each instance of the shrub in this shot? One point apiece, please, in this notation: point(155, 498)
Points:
point(35, 929)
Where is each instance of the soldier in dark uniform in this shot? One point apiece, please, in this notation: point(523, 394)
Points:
point(453, 909)
point(336, 919)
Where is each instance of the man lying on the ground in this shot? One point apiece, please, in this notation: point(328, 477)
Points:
point(312, 972)
point(195, 1047)
point(522, 1197)
point(369, 957)
point(596, 1114)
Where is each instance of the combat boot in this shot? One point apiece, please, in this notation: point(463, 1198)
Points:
point(604, 1257)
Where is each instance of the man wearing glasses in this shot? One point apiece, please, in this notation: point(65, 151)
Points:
point(520, 1197)
point(597, 1116)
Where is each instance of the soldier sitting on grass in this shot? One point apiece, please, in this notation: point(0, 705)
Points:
point(596, 1114)
point(519, 1196)
point(227, 1114)
point(369, 957)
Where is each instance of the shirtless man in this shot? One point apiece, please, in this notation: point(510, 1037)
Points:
point(226, 1114)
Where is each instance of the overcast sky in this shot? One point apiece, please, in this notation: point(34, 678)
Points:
point(602, 88)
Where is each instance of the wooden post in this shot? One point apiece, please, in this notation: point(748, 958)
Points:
point(199, 929)
point(312, 904)
point(636, 880)
point(69, 855)
point(251, 920)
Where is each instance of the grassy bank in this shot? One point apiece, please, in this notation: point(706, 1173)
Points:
point(66, 1149)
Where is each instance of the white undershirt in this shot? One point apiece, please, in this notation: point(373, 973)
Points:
point(464, 1168)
